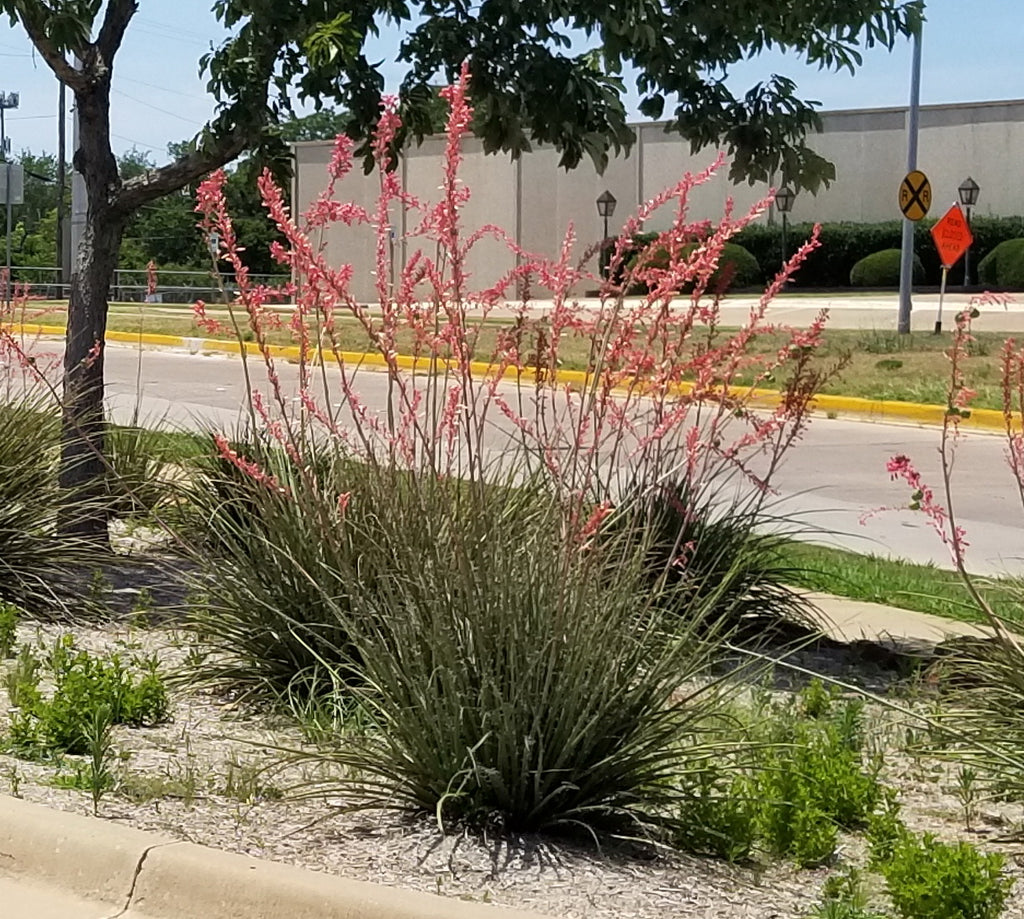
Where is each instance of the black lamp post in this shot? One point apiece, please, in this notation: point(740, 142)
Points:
point(605, 208)
point(784, 198)
point(969, 191)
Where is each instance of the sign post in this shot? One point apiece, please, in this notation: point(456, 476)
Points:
point(952, 238)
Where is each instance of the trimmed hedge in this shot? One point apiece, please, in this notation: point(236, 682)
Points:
point(736, 263)
point(882, 269)
point(1003, 267)
point(845, 244)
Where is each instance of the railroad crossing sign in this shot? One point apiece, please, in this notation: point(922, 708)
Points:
point(952, 236)
point(915, 195)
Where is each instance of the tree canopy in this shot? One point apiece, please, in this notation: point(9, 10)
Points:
point(527, 83)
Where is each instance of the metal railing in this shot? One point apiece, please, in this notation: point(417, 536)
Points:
point(132, 285)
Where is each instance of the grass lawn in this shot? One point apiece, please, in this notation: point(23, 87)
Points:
point(883, 365)
point(923, 588)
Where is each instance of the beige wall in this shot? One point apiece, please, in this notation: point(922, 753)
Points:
point(535, 201)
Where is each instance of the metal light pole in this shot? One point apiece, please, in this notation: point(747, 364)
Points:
point(968, 191)
point(605, 208)
point(7, 101)
point(784, 199)
point(907, 249)
point(62, 270)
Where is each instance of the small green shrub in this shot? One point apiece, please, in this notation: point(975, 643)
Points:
point(929, 879)
point(83, 684)
point(97, 773)
point(1003, 267)
point(812, 778)
point(803, 779)
point(882, 269)
point(21, 679)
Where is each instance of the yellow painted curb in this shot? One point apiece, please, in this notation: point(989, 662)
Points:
point(983, 419)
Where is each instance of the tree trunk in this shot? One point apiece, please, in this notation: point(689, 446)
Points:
point(83, 469)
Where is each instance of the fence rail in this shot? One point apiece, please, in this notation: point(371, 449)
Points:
point(131, 285)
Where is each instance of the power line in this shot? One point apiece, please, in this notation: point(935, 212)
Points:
point(138, 143)
point(164, 89)
point(150, 23)
point(155, 108)
point(169, 35)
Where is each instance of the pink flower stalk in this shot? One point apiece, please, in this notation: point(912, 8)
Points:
point(207, 323)
point(923, 499)
point(594, 521)
point(247, 466)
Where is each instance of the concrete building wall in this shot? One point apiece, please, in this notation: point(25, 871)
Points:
point(534, 200)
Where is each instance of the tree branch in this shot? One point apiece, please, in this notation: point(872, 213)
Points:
point(159, 182)
point(74, 79)
point(115, 22)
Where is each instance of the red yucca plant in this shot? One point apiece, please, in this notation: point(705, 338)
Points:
point(664, 393)
point(457, 540)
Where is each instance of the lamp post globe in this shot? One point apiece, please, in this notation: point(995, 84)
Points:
point(968, 191)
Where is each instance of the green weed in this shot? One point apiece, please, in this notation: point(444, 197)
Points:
point(8, 629)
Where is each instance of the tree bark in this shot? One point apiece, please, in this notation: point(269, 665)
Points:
point(83, 423)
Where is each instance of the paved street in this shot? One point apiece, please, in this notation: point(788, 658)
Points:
point(829, 481)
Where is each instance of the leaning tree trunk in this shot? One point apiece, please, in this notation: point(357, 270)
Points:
point(83, 468)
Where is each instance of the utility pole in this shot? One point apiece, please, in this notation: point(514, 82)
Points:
point(62, 274)
point(907, 250)
point(79, 200)
point(7, 101)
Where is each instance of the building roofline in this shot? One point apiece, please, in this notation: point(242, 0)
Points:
point(823, 113)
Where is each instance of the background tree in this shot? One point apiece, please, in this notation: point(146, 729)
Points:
point(527, 86)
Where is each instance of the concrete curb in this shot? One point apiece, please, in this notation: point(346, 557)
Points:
point(141, 873)
point(874, 409)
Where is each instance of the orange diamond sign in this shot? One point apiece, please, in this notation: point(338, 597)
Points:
point(952, 236)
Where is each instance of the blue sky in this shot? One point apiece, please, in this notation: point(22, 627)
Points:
point(971, 52)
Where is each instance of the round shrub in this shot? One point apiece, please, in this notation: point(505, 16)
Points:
point(882, 269)
point(736, 266)
point(1004, 266)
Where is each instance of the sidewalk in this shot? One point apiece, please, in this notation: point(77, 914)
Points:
point(845, 620)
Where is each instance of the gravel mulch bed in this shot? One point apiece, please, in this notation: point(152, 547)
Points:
point(197, 778)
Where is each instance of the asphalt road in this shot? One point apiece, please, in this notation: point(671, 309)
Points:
point(827, 484)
